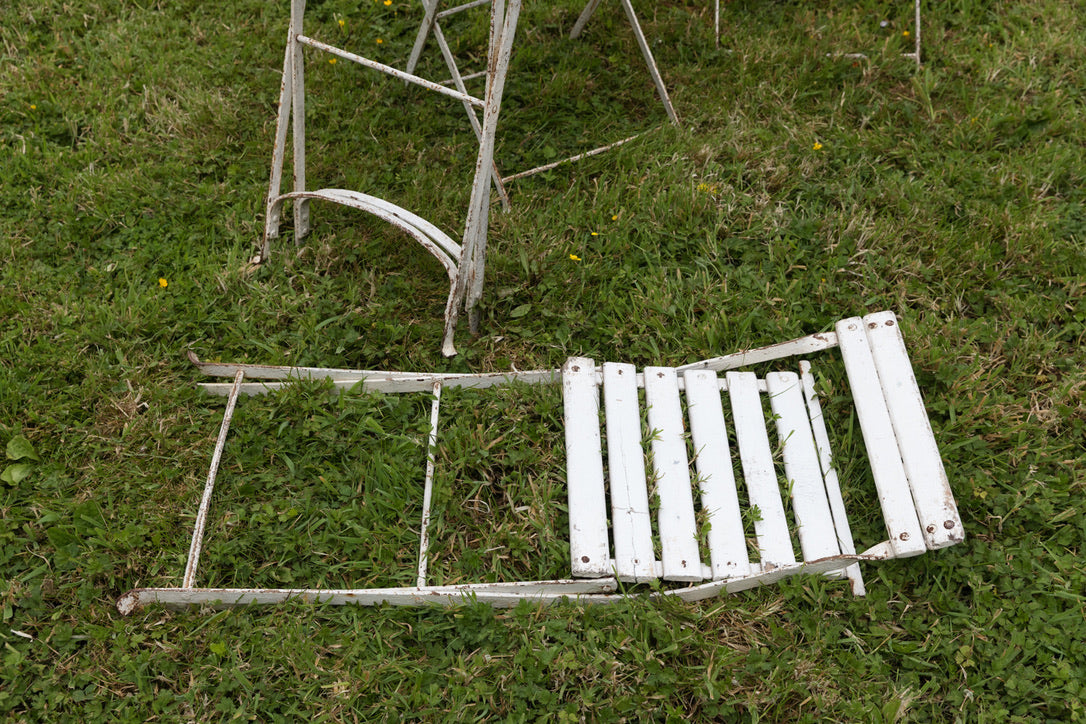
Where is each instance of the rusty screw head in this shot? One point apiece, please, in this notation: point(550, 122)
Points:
point(904, 536)
point(931, 528)
point(948, 524)
point(584, 559)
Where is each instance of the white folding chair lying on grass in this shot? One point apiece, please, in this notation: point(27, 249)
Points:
point(632, 481)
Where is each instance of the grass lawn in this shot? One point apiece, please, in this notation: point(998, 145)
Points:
point(802, 187)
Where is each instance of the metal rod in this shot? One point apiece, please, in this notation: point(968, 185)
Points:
point(829, 476)
point(458, 82)
point(917, 11)
point(209, 486)
point(301, 206)
point(428, 489)
point(429, 18)
point(571, 159)
point(271, 215)
point(716, 21)
point(389, 70)
point(469, 285)
point(661, 89)
point(469, 76)
point(583, 19)
point(466, 6)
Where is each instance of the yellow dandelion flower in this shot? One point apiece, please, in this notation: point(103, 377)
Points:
point(387, 3)
point(817, 146)
point(614, 217)
point(379, 41)
point(904, 33)
point(342, 22)
point(595, 233)
point(332, 61)
point(574, 257)
point(163, 283)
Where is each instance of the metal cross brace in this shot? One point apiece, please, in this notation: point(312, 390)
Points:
point(431, 25)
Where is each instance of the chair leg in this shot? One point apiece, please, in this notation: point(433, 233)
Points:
point(650, 61)
point(429, 19)
point(458, 83)
point(583, 19)
point(301, 206)
point(917, 34)
point(470, 280)
point(716, 22)
point(271, 214)
point(642, 43)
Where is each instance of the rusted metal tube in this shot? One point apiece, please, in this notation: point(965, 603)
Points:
point(209, 486)
point(389, 70)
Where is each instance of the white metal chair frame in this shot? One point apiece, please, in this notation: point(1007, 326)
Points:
point(464, 262)
point(915, 497)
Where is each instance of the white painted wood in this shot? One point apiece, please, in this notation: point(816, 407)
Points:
point(898, 511)
point(712, 456)
point(774, 544)
point(931, 493)
point(814, 521)
point(589, 552)
point(829, 473)
point(676, 523)
point(631, 524)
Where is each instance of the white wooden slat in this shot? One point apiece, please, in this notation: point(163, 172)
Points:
point(774, 544)
point(902, 525)
point(934, 501)
point(589, 552)
point(630, 519)
point(676, 523)
point(712, 456)
point(829, 473)
point(817, 536)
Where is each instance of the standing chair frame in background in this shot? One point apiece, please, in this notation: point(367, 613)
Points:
point(464, 262)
